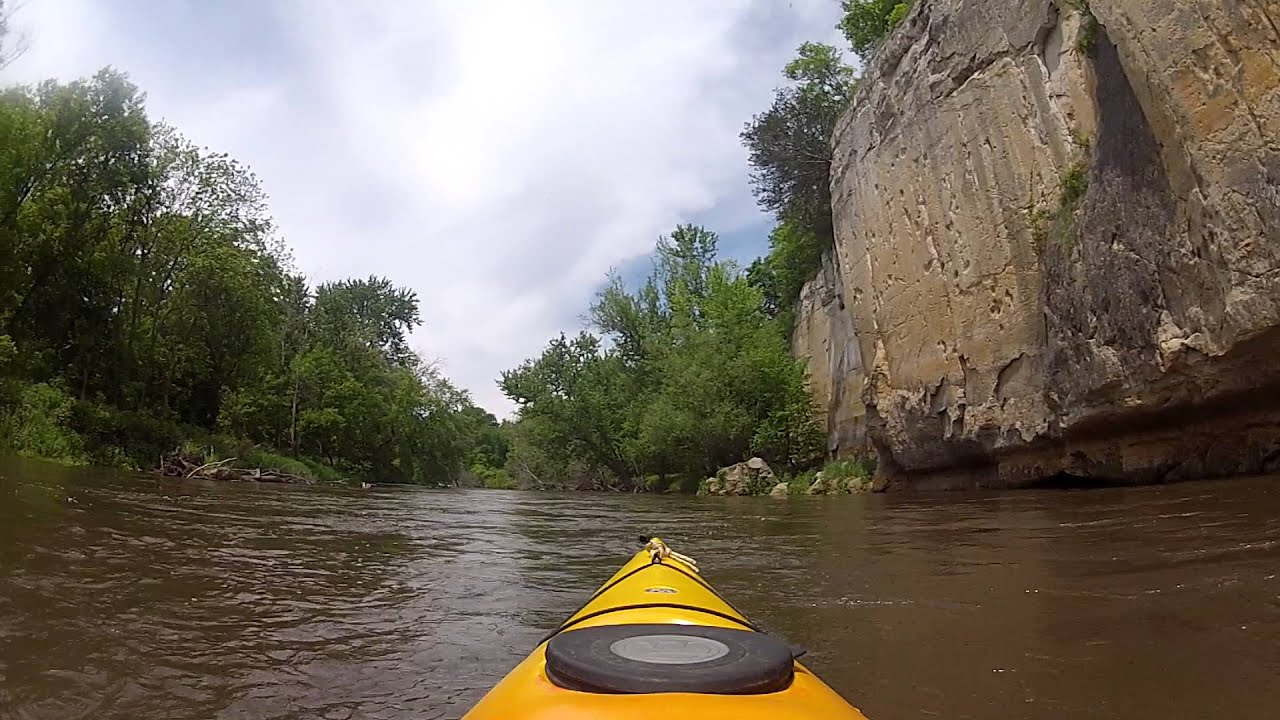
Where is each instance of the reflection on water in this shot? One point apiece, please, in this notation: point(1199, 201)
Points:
point(129, 597)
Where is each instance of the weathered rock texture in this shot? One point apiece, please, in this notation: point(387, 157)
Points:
point(976, 327)
point(753, 477)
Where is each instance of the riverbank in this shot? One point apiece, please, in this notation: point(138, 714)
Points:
point(210, 454)
point(221, 458)
point(46, 423)
point(755, 477)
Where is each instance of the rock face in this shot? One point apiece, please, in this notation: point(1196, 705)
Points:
point(825, 334)
point(1057, 245)
point(753, 477)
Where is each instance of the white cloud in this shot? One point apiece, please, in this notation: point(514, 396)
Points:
point(498, 157)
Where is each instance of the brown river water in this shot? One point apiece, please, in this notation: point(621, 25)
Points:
point(125, 596)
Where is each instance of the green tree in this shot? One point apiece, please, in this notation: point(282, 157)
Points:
point(486, 443)
point(372, 313)
point(583, 395)
point(694, 375)
point(534, 460)
point(793, 258)
point(790, 155)
point(145, 300)
point(866, 22)
point(70, 155)
point(790, 144)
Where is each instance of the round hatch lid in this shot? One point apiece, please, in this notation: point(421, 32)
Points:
point(635, 659)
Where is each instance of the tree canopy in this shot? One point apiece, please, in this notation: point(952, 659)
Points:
point(688, 373)
point(691, 371)
point(790, 143)
point(145, 301)
point(866, 22)
point(790, 153)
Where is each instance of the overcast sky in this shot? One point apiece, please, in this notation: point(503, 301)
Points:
point(497, 157)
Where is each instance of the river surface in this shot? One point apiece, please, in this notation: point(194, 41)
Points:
point(125, 596)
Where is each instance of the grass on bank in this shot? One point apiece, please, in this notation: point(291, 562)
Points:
point(45, 421)
point(37, 425)
point(836, 475)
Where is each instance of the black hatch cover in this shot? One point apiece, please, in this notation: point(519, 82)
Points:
point(636, 659)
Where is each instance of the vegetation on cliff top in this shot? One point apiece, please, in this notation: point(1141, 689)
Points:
point(790, 154)
point(867, 22)
point(790, 143)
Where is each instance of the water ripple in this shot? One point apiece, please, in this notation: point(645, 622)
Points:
point(127, 597)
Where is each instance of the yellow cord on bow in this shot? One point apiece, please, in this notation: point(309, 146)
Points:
point(659, 551)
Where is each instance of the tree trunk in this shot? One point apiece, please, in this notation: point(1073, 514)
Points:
point(293, 417)
point(84, 383)
point(164, 390)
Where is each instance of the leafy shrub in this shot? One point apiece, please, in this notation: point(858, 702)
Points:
point(898, 14)
point(38, 425)
point(790, 436)
point(124, 438)
point(657, 483)
point(495, 478)
point(867, 22)
point(672, 482)
point(760, 484)
point(688, 484)
point(257, 457)
point(1073, 183)
point(113, 457)
point(1060, 224)
point(7, 351)
point(799, 484)
point(501, 481)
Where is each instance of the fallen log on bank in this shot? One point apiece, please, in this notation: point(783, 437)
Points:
point(179, 464)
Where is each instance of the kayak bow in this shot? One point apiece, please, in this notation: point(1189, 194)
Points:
point(657, 641)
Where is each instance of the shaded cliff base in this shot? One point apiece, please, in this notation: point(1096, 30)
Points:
point(1193, 444)
point(1175, 436)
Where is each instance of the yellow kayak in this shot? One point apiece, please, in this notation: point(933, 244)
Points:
point(657, 641)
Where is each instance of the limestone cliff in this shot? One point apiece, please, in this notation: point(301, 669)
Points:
point(1057, 245)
